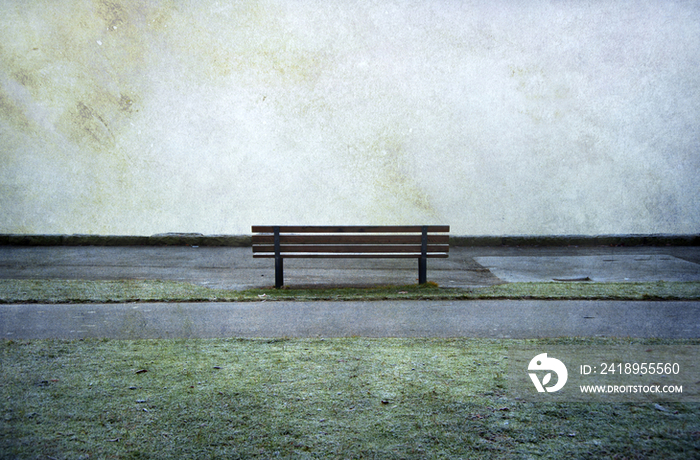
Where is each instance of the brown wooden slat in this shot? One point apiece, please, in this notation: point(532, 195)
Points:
point(353, 256)
point(350, 248)
point(350, 229)
point(350, 239)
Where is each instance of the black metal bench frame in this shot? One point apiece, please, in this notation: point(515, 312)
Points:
point(376, 242)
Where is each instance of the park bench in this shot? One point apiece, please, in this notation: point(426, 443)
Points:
point(376, 242)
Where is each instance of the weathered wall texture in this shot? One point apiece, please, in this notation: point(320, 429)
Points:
point(566, 117)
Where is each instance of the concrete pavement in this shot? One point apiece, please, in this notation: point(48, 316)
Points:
point(234, 268)
point(491, 319)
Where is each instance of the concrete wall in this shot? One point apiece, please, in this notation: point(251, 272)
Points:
point(533, 117)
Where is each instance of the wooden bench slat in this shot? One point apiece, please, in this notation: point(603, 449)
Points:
point(395, 255)
point(284, 248)
point(350, 239)
point(351, 229)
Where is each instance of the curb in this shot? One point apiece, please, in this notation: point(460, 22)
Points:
point(197, 239)
point(165, 239)
point(577, 240)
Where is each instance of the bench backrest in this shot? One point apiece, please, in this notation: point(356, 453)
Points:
point(351, 241)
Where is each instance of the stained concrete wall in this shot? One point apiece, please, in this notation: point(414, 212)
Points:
point(533, 117)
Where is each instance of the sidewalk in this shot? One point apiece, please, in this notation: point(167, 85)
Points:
point(519, 319)
point(235, 268)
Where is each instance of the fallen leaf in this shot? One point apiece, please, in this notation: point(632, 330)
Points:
point(658, 406)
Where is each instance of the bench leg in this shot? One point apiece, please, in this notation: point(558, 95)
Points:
point(422, 270)
point(423, 260)
point(279, 269)
point(279, 272)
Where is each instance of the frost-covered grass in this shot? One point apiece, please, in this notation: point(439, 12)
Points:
point(308, 398)
point(77, 291)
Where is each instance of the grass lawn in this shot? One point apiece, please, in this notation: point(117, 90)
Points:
point(77, 291)
point(315, 398)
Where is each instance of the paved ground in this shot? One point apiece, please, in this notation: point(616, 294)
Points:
point(495, 319)
point(234, 268)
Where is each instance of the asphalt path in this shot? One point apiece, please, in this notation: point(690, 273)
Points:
point(516, 319)
point(235, 267)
